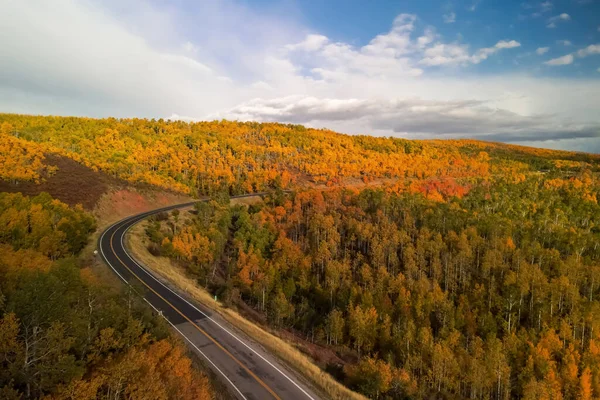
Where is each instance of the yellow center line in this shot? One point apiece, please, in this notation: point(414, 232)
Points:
point(263, 384)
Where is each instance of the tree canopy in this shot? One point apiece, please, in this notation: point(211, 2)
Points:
point(63, 332)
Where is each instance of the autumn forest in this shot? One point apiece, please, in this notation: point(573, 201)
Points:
point(428, 269)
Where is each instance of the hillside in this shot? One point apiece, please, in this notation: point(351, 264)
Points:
point(490, 296)
point(222, 156)
point(443, 269)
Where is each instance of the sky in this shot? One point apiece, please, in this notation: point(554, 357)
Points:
point(524, 72)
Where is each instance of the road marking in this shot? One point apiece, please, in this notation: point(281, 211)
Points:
point(160, 313)
point(141, 216)
point(196, 347)
point(208, 317)
point(127, 219)
point(104, 256)
point(264, 385)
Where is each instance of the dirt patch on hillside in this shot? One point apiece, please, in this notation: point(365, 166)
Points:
point(246, 201)
point(73, 183)
point(108, 197)
point(119, 203)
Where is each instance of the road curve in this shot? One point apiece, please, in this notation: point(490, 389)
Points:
point(249, 370)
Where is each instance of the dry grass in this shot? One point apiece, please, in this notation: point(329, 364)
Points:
point(165, 269)
point(246, 201)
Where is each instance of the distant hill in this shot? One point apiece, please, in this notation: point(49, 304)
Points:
point(235, 157)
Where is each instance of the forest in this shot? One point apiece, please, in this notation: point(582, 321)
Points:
point(492, 295)
point(207, 158)
point(64, 332)
point(442, 269)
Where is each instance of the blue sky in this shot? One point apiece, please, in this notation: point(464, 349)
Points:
point(524, 72)
point(478, 23)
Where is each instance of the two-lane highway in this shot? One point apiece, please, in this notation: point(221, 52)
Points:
point(250, 371)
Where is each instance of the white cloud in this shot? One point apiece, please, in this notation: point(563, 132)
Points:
point(414, 116)
point(483, 54)
point(564, 60)
point(558, 18)
point(75, 51)
point(541, 8)
point(450, 18)
point(542, 50)
point(189, 47)
point(546, 6)
point(444, 54)
point(503, 44)
point(77, 58)
point(564, 42)
point(590, 50)
point(310, 43)
point(428, 37)
point(386, 55)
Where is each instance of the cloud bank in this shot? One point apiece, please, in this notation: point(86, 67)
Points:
point(458, 118)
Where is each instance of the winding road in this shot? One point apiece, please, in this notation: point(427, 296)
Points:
point(248, 370)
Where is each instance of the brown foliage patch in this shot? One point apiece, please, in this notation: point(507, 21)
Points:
point(72, 183)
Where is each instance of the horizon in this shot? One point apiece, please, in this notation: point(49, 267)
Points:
point(324, 129)
point(524, 73)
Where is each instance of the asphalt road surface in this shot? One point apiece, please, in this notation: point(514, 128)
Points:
point(248, 370)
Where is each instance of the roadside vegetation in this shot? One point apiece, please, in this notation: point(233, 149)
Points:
point(64, 333)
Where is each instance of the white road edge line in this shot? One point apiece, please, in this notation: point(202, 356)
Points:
point(152, 305)
point(208, 317)
point(197, 349)
point(104, 256)
point(126, 219)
